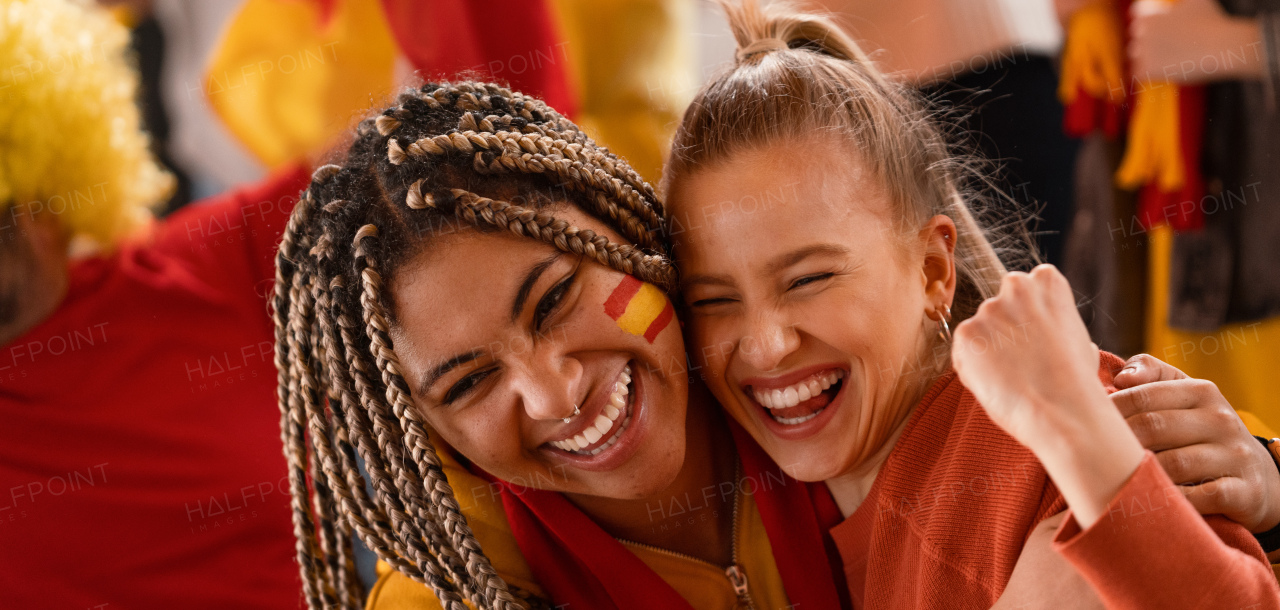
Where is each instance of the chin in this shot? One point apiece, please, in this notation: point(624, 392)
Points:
point(811, 464)
point(648, 478)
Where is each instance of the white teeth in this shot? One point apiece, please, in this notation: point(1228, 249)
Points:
point(791, 421)
point(605, 424)
point(790, 396)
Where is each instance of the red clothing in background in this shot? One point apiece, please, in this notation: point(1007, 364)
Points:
point(953, 505)
point(140, 455)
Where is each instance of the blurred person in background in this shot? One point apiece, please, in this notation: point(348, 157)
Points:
point(1214, 302)
point(160, 434)
point(1194, 259)
point(139, 457)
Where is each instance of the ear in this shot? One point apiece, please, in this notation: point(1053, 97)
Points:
point(938, 270)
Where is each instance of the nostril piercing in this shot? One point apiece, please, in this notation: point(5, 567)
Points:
point(575, 414)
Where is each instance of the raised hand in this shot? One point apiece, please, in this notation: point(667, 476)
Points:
point(1027, 358)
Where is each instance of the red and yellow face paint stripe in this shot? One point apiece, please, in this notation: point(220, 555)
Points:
point(640, 308)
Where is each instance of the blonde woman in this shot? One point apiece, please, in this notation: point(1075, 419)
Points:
point(833, 257)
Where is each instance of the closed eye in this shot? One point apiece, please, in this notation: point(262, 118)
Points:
point(467, 384)
point(810, 279)
point(711, 302)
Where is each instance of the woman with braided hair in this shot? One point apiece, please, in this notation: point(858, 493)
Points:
point(478, 272)
point(472, 304)
point(826, 252)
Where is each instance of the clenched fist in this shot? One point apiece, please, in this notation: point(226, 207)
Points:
point(1027, 358)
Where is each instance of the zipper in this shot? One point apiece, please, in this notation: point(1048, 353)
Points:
point(737, 577)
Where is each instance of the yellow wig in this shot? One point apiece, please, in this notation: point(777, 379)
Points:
point(71, 140)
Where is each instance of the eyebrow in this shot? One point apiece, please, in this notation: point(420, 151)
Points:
point(526, 286)
point(776, 265)
point(522, 295)
point(435, 374)
point(783, 261)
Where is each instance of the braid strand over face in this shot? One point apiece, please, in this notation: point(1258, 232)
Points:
point(471, 154)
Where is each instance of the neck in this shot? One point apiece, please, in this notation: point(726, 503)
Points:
point(690, 516)
point(850, 488)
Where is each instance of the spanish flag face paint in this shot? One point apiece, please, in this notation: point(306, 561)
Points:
point(639, 308)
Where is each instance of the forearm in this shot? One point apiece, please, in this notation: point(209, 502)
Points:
point(1089, 457)
point(1243, 57)
point(1152, 550)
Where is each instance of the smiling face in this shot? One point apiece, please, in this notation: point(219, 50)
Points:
point(500, 338)
point(807, 306)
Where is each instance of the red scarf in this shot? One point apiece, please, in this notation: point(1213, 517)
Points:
point(579, 564)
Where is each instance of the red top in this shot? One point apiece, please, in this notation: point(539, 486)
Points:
point(140, 455)
point(953, 505)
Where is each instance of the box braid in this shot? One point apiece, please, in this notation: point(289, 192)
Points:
point(464, 154)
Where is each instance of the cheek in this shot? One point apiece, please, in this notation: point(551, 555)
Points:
point(484, 437)
point(711, 344)
point(874, 326)
point(886, 332)
point(638, 308)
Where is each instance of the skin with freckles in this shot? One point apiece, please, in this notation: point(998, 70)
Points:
point(503, 408)
point(818, 279)
point(503, 405)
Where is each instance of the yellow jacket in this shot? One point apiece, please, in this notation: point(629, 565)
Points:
point(704, 585)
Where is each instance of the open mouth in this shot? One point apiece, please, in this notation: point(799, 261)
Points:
point(604, 431)
point(802, 401)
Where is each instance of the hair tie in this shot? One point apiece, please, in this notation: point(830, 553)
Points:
point(763, 45)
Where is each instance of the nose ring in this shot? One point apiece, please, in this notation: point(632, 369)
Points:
point(575, 414)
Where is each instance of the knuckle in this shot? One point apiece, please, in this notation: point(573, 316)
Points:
point(1145, 426)
point(1205, 388)
point(984, 309)
point(1142, 399)
point(1178, 465)
point(1223, 417)
point(1241, 455)
point(1143, 360)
